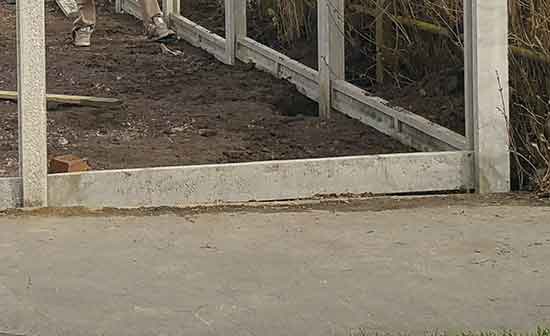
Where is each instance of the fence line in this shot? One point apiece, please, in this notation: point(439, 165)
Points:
point(488, 169)
point(486, 79)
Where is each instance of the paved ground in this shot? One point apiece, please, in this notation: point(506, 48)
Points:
point(287, 272)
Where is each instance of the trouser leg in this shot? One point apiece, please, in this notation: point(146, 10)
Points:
point(150, 9)
point(87, 16)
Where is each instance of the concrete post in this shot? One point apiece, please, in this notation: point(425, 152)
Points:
point(118, 6)
point(468, 74)
point(337, 39)
point(330, 44)
point(323, 46)
point(235, 27)
point(487, 92)
point(170, 7)
point(31, 88)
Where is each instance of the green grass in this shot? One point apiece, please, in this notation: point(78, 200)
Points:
point(539, 332)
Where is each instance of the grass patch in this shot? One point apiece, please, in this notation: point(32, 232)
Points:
point(541, 331)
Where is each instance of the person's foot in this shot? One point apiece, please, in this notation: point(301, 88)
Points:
point(158, 31)
point(82, 36)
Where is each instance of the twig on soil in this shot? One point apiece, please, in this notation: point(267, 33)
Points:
point(168, 70)
point(166, 50)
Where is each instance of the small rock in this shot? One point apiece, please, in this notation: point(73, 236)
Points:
point(63, 142)
point(205, 132)
point(177, 129)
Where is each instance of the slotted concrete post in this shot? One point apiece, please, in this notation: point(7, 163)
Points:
point(487, 92)
point(31, 88)
point(170, 7)
point(235, 27)
point(337, 39)
point(330, 44)
point(118, 6)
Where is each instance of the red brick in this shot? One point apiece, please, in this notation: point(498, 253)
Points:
point(68, 164)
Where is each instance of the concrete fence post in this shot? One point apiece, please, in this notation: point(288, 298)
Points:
point(487, 92)
point(31, 88)
point(337, 39)
point(331, 50)
point(235, 27)
point(170, 7)
point(118, 6)
point(230, 31)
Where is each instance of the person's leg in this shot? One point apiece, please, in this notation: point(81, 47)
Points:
point(150, 9)
point(156, 28)
point(87, 16)
point(84, 25)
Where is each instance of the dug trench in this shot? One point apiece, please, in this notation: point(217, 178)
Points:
point(177, 110)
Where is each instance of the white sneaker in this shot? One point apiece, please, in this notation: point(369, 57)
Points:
point(158, 31)
point(82, 36)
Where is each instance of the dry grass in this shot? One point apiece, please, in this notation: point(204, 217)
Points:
point(421, 54)
point(530, 80)
point(293, 20)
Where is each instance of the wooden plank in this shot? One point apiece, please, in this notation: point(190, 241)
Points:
point(66, 99)
point(68, 7)
point(263, 181)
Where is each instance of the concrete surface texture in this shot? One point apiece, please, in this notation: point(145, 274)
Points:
point(277, 272)
point(31, 87)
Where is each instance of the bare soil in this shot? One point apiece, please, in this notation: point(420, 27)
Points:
point(337, 203)
point(437, 96)
point(177, 110)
